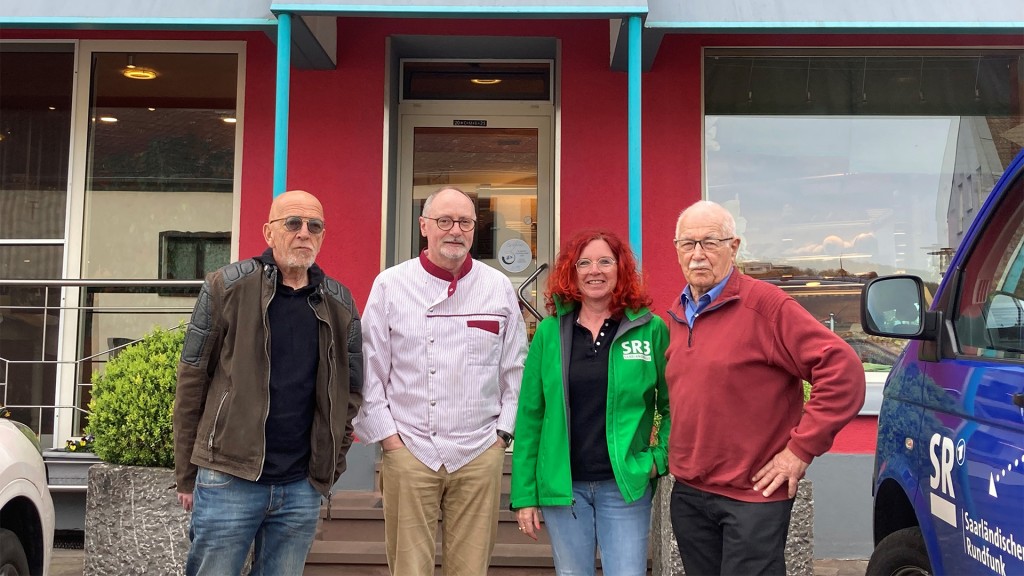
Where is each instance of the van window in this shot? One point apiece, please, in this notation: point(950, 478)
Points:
point(990, 305)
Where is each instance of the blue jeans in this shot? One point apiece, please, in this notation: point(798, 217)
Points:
point(230, 514)
point(602, 518)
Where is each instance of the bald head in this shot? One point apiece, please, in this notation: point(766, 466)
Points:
point(707, 213)
point(295, 199)
point(705, 266)
point(295, 250)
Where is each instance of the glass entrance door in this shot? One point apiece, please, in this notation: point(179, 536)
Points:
point(504, 162)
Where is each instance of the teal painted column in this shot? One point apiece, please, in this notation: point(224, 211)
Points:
point(284, 63)
point(635, 181)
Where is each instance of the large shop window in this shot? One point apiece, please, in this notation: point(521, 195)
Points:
point(159, 183)
point(842, 167)
point(35, 138)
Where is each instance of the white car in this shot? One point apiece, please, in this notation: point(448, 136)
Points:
point(26, 510)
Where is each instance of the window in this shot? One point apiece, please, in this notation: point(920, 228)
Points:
point(455, 80)
point(36, 87)
point(990, 303)
point(161, 134)
point(192, 255)
point(840, 166)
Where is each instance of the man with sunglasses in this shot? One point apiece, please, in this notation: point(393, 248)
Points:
point(742, 436)
point(269, 381)
point(444, 342)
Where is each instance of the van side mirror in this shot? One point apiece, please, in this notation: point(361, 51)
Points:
point(894, 307)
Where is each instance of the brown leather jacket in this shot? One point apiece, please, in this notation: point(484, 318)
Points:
point(223, 390)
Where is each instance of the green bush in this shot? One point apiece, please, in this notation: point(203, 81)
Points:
point(132, 402)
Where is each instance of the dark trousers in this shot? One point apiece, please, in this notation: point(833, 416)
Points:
point(719, 535)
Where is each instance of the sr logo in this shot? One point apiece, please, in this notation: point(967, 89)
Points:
point(941, 453)
point(636, 350)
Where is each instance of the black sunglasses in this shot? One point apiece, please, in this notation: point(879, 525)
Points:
point(294, 224)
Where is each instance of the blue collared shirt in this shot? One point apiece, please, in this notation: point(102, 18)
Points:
point(692, 308)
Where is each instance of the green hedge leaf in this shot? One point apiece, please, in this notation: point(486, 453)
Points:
point(133, 401)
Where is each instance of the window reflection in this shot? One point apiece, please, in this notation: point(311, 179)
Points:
point(160, 158)
point(829, 192)
point(35, 136)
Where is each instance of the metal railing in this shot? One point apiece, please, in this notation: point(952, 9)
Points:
point(32, 309)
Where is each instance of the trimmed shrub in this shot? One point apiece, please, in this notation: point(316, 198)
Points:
point(133, 400)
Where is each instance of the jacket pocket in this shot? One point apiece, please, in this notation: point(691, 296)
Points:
point(491, 326)
point(484, 340)
point(216, 419)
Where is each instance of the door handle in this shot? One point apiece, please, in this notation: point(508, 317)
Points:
point(530, 280)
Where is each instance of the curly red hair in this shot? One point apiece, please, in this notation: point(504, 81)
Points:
point(630, 289)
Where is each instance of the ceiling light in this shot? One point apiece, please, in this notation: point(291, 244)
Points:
point(151, 109)
point(139, 73)
point(110, 119)
point(229, 120)
point(52, 107)
point(486, 81)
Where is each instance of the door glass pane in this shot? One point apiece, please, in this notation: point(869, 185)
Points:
point(498, 167)
point(476, 80)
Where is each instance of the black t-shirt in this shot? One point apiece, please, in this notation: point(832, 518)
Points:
point(294, 354)
point(588, 402)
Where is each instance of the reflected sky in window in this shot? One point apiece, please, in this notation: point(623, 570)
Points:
point(861, 195)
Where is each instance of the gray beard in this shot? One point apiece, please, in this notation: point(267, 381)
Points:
point(299, 262)
point(453, 253)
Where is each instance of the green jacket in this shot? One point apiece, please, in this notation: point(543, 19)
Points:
point(541, 473)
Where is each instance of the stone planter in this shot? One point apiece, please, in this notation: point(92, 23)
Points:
point(133, 522)
point(799, 546)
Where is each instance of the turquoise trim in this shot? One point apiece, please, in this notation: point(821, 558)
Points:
point(457, 10)
point(284, 59)
point(77, 21)
point(635, 166)
point(814, 25)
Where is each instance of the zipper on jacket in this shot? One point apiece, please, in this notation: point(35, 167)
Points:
point(330, 380)
point(216, 418)
point(270, 273)
point(572, 508)
point(690, 324)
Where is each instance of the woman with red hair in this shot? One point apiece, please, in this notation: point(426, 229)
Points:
point(594, 379)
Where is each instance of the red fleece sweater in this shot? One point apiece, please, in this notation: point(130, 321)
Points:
point(735, 387)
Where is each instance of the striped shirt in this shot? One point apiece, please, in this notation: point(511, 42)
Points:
point(443, 360)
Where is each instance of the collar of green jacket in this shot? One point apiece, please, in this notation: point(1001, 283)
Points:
point(563, 307)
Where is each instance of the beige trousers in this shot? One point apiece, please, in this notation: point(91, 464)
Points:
point(468, 499)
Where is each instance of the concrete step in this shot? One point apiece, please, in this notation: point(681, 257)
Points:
point(338, 553)
point(370, 559)
point(506, 474)
point(359, 516)
point(351, 538)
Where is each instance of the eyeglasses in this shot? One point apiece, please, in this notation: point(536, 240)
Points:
point(294, 224)
point(446, 223)
point(708, 244)
point(584, 264)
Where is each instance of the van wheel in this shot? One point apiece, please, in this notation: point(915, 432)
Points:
point(13, 561)
point(901, 553)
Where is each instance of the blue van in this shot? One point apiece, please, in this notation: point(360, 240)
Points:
point(949, 467)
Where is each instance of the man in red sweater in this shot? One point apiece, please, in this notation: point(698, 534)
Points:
point(741, 436)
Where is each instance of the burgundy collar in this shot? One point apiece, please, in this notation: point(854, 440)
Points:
point(438, 272)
